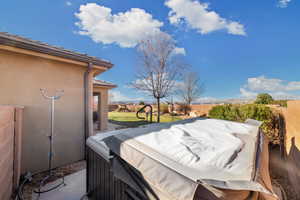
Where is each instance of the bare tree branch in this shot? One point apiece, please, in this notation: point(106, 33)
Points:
point(159, 69)
point(190, 89)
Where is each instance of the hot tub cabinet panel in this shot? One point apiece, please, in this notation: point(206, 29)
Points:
point(102, 184)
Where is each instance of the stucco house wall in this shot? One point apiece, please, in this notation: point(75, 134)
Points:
point(292, 120)
point(292, 143)
point(21, 77)
point(26, 66)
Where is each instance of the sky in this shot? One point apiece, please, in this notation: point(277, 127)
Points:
point(238, 48)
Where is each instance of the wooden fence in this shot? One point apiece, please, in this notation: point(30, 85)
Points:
point(10, 149)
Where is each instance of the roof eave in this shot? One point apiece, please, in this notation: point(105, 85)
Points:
point(105, 86)
point(45, 49)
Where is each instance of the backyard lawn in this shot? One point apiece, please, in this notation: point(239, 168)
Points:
point(129, 119)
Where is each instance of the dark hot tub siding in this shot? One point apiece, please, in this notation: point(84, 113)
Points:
point(101, 182)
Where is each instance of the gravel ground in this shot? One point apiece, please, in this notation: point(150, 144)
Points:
point(58, 173)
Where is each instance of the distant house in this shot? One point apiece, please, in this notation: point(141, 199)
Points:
point(25, 67)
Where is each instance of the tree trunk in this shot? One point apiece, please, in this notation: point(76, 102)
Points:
point(158, 110)
point(187, 107)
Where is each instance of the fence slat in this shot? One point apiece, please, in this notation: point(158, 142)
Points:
point(6, 150)
point(10, 149)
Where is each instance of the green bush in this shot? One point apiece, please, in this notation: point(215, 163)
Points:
point(264, 98)
point(282, 103)
point(226, 112)
point(258, 112)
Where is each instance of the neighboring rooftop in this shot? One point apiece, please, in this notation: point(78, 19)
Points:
point(104, 84)
point(37, 46)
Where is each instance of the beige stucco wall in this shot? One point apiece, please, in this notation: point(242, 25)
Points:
point(292, 119)
point(292, 143)
point(21, 77)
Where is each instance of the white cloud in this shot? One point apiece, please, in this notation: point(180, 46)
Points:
point(68, 3)
point(198, 16)
point(123, 28)
point(248, 94)
point(179, 51)
point(278, 88)
point(117, 96)
point(262, 83)
point(206, 100)
point(283, 3)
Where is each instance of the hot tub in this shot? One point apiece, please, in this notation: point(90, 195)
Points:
point(187, 160)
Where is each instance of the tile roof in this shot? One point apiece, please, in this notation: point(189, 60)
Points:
point(37, 46)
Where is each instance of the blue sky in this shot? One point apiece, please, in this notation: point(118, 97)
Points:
point(239, 48)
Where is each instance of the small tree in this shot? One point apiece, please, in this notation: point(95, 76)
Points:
point(190, 89)
point(264, 98)
point(159, 68)
point(141, 103)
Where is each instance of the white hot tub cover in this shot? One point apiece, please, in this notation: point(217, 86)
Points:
point(176, 157)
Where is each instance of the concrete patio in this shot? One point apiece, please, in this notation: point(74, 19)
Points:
point(73, 190)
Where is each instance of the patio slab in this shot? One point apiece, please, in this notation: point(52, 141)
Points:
point(73, 190)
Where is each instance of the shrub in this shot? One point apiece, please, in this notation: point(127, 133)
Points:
point(282, 103)
point(259, 112)
point(255, 111)
point(226, 112)
point(264, 98)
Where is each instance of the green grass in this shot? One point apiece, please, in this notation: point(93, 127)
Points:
point(129, 119)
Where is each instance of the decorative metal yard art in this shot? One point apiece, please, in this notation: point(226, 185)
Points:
point(58, 95)
point(147, 112)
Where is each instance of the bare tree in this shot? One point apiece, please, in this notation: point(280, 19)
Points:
point(159, 69)
point(190, 89)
